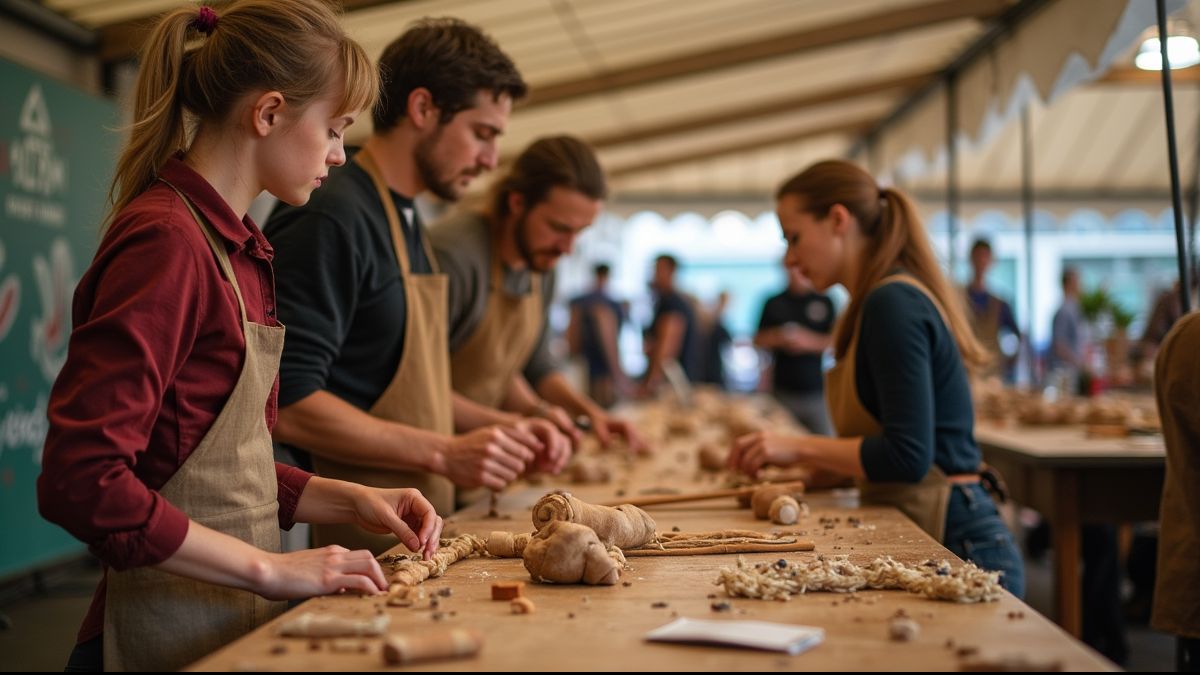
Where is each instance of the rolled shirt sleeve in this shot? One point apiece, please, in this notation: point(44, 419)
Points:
point(140, 326)
point(292, 482)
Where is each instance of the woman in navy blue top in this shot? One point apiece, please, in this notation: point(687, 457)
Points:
point(899, 395)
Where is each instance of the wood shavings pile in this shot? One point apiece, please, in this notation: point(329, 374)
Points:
point(937, 581)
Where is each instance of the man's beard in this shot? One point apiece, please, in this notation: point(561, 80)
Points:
point(427, 170)
point(527, 253)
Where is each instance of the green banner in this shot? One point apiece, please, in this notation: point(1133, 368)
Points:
point(57, 150)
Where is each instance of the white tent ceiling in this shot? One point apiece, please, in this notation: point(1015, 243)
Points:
point(711, 97)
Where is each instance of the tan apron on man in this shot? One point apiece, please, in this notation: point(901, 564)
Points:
point(925, 502)
point(418, 395)
point(155, 620)
point(986, 327)
point(1176, 374)
point(500, 346)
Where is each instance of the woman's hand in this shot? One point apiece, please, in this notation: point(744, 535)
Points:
point(318, 571)
point(754, 451)
point(402, 511)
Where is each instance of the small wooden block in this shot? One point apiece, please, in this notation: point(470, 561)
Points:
point(508, 590)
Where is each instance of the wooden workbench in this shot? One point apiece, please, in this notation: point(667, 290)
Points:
point(1072, 480)
point(602, 628)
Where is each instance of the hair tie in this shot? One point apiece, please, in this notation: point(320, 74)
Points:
point(206, 20)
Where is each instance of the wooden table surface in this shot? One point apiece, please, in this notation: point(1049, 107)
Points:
point(603, 627)
point(1072, 480)
point(1063, 446)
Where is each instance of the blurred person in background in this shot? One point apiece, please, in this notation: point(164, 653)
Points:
point(797, 327)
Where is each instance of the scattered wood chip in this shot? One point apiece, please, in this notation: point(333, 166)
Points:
point(521, 605)
point(903, 629)
point(507, 590)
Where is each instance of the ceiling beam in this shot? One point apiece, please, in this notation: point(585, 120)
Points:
point(708, 60)
point(1003, 25)
point(121, 41)
point(841, 127)
point(743, 114)
point(1148, 77)
point(38, 16)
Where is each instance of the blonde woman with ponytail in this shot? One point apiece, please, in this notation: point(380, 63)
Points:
point(898, 396)
point(159, 451)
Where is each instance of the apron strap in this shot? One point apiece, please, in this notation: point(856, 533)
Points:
point(218, 249)
point(366, 159)
point(915, 283)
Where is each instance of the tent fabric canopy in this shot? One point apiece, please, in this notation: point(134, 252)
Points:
point(712, 98)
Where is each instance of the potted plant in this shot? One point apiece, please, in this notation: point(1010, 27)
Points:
point(1094, 304)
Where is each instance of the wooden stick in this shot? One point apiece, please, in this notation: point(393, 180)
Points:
point(749, 490)
point(717, 549)
point(654, 500)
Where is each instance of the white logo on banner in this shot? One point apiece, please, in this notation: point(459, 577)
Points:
point(24, 428)
point(36, 168)
point(48, 341)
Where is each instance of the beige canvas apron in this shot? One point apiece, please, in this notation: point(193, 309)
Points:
point(986, 327)
point(500, 346)
point(419, 393)
point(924, 502)
point(1176, 594)
point(154, 620)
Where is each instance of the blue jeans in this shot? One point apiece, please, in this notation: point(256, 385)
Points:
point(975, 532)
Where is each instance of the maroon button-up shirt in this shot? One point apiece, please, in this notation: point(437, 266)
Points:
point(155, 352)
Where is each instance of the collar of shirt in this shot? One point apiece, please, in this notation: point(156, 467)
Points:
point(516, 283)
point(239, 233)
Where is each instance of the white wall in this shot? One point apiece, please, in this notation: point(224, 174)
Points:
point(629, 237)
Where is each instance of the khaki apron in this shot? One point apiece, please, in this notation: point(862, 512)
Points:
point(418, 395)
point(986, 327)
point(925, 502)
point(1176, 592)
point(155, 620)
point(500, 346)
